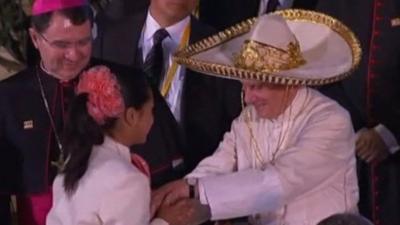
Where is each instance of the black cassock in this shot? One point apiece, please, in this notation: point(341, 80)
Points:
point(27, 139)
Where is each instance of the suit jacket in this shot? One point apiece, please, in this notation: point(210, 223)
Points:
point(224, 13)
point(209, 104)
point(371, 94)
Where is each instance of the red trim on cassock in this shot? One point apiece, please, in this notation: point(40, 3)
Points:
point(372, 62)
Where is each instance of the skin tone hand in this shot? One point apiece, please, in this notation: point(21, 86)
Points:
point(370, 147)
point(199, 213)
point(168, 194)
point(185, 212)
point(176, 214)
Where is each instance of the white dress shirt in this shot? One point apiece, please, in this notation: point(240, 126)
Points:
point(112, 191)
point(308, 170)
point(170, 45)
point(283, 4)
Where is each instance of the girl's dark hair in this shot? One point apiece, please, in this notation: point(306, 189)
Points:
point(77, 16)
point(81, 132)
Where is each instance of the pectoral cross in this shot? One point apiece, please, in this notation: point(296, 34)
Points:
point(60, 163)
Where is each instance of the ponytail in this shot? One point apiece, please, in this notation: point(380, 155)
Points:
point(109, 95)
point(80, 135)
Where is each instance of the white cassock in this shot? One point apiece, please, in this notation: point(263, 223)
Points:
point(111, 192)
point(297, 170)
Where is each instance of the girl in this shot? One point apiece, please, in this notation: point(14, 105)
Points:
point(99, 184)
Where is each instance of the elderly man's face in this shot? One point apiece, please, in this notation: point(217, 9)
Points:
point(65, 49)
point(269, 100)
point(172, 10)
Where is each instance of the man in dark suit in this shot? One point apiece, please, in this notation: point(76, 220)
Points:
point(201, 107)
point(224, 13)
point(371, 95)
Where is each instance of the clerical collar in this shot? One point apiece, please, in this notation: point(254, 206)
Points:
point(62, 82)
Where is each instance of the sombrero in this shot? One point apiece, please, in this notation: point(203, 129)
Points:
point(288, 47)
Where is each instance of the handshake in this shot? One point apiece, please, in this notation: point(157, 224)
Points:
point(175, 204)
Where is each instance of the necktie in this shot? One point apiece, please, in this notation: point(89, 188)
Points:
point(154, 63)
point(272, 5)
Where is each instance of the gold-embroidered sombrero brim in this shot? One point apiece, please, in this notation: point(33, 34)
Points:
point(330, 49)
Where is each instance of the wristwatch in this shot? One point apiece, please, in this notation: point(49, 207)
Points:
point(192, 183)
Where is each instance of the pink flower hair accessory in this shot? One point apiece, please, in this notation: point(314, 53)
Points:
point(104, 93)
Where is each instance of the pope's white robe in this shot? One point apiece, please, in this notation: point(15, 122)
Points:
point(309, 165)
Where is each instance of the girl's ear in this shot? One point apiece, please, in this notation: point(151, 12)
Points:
point(131, 116)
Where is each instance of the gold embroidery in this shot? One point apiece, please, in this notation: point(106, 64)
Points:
point(260, 57)
point(185, 56)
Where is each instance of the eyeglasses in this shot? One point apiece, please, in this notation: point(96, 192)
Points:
point(63, 45)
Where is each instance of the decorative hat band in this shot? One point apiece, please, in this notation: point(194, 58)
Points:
point(261, 57)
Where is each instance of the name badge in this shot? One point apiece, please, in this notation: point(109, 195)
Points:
point(395, 22)
point(28, 124)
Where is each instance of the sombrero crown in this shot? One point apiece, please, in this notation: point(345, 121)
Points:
point(287, 47)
